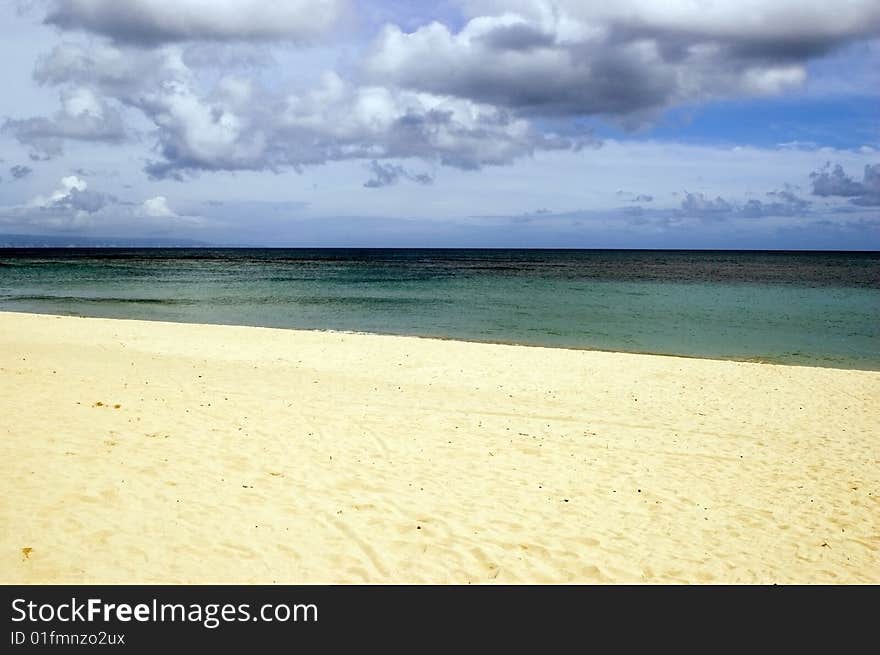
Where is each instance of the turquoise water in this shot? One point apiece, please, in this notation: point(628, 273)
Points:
point(802, 308)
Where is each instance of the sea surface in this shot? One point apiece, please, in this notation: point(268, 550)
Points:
point(791, 307)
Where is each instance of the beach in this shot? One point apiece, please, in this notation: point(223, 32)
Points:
point(151, 452)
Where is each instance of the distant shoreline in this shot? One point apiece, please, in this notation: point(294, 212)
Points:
point(117, 243)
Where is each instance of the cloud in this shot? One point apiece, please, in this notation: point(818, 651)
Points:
point(85, 200)
point(74, 206)
point(237, 123)
point(247, 57)
point(388, 174)
point(834, 182)
point(624, 59)
point(790, 26)
point(115, 71)
point(518, 36)
point(486, 94)
point(83, 115)
point(784, 203)
point(18, 171)
point(157, 206)
point(75, 196)
point(634, 197)
point(250, 128)
point(696, 204)
point(68, 184)
point(150, 22)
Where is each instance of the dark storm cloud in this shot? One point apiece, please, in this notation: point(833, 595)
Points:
point(834, 182)
point(388, 174)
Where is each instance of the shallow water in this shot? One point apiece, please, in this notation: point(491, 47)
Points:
point(792, 307)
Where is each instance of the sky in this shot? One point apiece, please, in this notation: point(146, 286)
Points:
point(460, 123)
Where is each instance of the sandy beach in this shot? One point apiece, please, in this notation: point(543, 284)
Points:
point(140, 452)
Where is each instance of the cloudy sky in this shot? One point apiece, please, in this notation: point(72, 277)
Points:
point(532, 123)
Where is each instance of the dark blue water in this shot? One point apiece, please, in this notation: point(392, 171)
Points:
point(793, 307)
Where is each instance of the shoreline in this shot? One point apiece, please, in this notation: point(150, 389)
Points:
point(757, 359)
point(162, 452)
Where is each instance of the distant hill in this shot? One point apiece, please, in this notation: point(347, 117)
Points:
point(56, 241)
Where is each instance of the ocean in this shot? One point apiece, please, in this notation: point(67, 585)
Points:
point(809, 308)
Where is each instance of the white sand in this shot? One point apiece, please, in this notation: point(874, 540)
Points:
point(254, 455)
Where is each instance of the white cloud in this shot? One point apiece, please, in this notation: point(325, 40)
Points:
point(74, 206)
point(467, 99)
point(157, 207)
point(84, 115)
point(758, 19)
point(69, 184)
point(237, 123)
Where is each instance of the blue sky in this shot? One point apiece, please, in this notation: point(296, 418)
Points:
point(527, 123)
